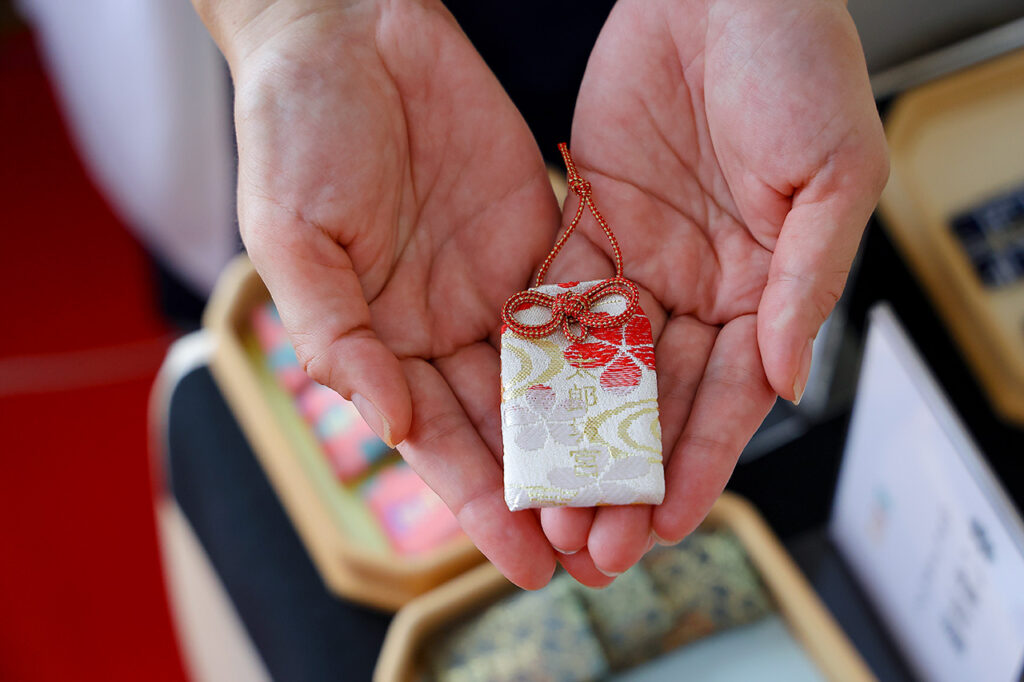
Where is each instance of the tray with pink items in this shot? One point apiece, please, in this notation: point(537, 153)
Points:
point(376, 533)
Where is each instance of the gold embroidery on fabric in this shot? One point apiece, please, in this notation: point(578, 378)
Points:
point(656, 432)
point(627, 423)
point(592, 428)
point(525, 365)
point(548, 494)
point(556, 364)
point(586, 394)
point(585, 462)
point(581, 372)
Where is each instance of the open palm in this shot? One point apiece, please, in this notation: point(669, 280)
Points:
point(391, 197)
point(734, 147)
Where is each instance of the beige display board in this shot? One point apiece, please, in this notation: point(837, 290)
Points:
point(377, 576)
point(956, 143)
point(808, 619)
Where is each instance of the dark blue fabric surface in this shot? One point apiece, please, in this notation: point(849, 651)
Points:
point(301, 631)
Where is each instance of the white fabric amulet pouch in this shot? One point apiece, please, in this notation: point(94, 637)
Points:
point(579, 391)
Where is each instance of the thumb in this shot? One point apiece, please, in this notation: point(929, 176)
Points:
point(810, 263)
point(312, 281)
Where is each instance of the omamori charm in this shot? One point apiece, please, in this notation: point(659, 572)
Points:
point(579, 393)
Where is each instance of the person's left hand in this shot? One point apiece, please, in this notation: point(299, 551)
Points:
point(735, 148)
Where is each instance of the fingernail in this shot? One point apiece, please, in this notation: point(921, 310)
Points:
point(660, 540)
point(376, 421)
point(805, 369)
point(565, 551)
point(610, 574)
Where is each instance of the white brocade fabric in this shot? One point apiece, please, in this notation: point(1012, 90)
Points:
point(580, 420)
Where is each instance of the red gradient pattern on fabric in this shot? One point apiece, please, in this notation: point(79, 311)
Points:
point(621, 350)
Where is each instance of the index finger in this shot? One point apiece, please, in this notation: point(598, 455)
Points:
point(446, 450)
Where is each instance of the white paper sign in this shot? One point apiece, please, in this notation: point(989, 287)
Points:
point(924, 524)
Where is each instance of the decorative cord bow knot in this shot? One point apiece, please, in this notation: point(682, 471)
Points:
point(580, 186)
point(572, 307)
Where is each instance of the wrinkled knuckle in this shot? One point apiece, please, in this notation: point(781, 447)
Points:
point(790, 278)
point(463, 508)
point(706, 443)
point(825, 299)
point(438, 428)
point(678, 387)
point(825, 290)
point(314, 360)
point(732, 376)
point(265, 238)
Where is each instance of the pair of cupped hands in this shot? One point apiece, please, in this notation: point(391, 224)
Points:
point(392, 197)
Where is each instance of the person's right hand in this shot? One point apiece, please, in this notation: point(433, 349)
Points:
point(391, 197)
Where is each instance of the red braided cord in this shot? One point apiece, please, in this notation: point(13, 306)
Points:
point(585, 192)
point(569, 307)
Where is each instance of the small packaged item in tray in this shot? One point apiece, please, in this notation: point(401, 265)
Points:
point(629, 618)
point(708, 584)
point(350, 445)
point(413, 517)
point(277, 347)
point(542, 635)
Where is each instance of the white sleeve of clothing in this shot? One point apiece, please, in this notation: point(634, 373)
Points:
point(146, 96)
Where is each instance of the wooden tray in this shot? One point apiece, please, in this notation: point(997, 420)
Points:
point(352, 567)
point(954, 144)
point(808, 619)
